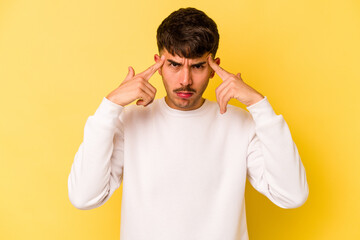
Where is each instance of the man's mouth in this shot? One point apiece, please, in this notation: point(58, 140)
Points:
point(184, 94)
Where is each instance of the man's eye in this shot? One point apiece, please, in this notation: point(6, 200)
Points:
point(198, 66)
point(174, 64)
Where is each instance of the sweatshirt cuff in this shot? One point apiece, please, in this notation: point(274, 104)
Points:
point(262, 111)
point(108, 108)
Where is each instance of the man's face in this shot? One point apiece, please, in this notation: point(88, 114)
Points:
point(185, 80)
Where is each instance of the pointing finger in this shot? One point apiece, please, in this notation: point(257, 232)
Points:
point(220, 71)
point(152, 69)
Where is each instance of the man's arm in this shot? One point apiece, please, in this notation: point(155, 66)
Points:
point(274, 166)
point(97, 170)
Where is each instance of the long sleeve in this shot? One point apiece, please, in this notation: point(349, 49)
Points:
point(274, 165)
point(97, 169)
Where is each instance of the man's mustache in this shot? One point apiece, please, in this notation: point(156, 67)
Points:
point(185, 89)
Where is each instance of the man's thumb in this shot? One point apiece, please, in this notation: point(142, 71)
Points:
point(130, 74)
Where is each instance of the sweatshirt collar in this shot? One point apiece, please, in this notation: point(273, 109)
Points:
point(181, 113)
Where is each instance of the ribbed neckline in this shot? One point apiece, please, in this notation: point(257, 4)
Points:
point(180, 113)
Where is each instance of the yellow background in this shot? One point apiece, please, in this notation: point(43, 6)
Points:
point(58, 59)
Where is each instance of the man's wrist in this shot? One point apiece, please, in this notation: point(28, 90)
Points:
point(112, 98)
point(108, 108)
point(257, 98)
point(262, 112)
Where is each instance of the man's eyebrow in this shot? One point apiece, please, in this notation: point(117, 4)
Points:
point(172, 61)
point(192, 65)
point(180, 64)
point(198, 64)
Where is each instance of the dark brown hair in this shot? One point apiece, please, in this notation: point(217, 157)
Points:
point(188, 33)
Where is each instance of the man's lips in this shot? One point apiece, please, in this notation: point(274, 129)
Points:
point(184, 94)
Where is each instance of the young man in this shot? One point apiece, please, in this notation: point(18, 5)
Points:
point(183, 159)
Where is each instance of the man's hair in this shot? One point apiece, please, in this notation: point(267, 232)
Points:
point(188, 33)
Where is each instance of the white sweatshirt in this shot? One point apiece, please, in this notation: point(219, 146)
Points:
point(184, 172)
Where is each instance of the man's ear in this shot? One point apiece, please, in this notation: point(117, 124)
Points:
point(217, 61)
point(157, 59)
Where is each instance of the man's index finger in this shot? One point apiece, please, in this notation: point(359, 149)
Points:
point(223, 74)
point(152, 69)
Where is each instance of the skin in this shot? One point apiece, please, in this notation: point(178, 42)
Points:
point(185, 81)
point(233, 87)
point(184, 76)
point(136, 87)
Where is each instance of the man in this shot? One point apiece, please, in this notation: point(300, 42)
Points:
point(183, 159)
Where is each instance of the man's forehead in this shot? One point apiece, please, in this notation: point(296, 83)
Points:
point(178, 58)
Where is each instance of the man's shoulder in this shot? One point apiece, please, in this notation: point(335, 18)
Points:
point(231, 110)
point(134, 109)
point(232, 115)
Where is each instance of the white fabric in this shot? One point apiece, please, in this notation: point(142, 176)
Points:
point(184, 172)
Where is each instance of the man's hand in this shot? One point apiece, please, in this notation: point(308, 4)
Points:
point(136, 87)
point(233, 87)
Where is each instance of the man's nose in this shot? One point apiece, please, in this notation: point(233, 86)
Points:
point(186, 77)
